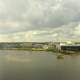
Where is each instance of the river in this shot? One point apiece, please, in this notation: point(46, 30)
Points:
point(38, 65)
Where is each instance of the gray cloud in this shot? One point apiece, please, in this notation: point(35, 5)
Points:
point(55, 18)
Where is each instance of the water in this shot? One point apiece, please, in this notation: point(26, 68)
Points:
point(25, 65)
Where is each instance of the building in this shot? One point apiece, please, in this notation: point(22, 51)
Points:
point(70, 47)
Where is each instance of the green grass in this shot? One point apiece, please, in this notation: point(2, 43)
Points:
point(28, 49)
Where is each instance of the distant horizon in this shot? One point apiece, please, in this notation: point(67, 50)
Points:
point(39, 42)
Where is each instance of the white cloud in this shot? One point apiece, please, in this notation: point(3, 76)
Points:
point(16, 37)
point(77, 30)
point(2, 6)
point(9, 24)
point(39, 20)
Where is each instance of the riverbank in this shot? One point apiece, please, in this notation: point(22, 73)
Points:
point(28, 49)
point(42, 49)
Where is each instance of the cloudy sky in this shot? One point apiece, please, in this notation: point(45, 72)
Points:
point(39, 20)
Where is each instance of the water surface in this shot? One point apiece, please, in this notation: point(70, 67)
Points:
point(38, 65)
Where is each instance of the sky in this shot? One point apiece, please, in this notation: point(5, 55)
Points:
point(39, 20)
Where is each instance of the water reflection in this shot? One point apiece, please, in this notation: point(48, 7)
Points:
point(17, 59)
point(60, 56)
point(25, 65)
